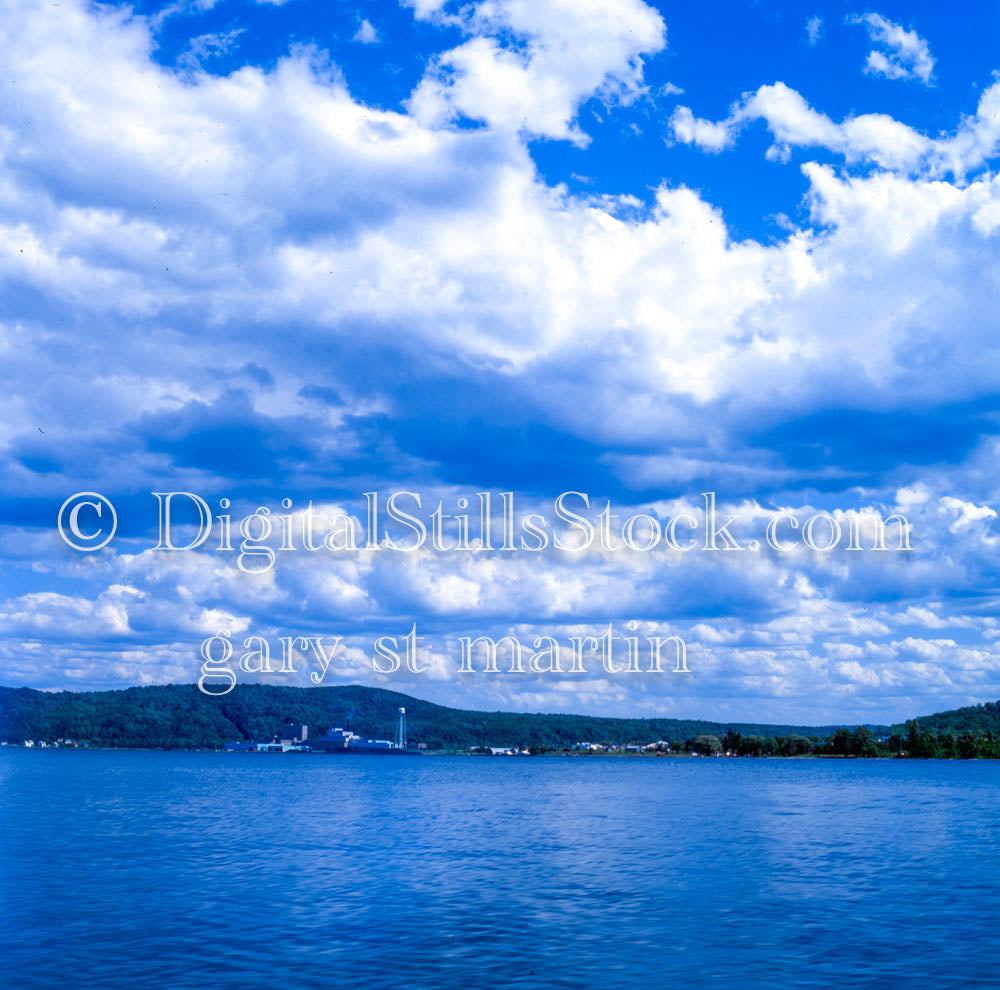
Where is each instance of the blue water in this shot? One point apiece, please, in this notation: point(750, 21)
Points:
point(207, 870)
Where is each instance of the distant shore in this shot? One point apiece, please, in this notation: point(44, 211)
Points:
point(179, 716)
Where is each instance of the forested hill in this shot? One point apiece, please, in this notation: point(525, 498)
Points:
point(975, 719)
point(179, 716)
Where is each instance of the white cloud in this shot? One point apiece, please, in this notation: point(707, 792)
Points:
point(569, 51)
point(366, 33)
point(814, 29)
point(709, 136)
point(872, 138)
point(967, 513)
point(190, 225)
point(792, 122)
point(207, 46)
point(900, 54)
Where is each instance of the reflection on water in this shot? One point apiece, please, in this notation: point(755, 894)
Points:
point(211, 870)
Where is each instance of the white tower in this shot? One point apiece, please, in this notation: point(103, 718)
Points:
point(401, 730)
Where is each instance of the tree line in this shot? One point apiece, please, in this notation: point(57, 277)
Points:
point(915, 743)
point(179, 716)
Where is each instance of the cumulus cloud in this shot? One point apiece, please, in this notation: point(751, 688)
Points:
point(708, 135)
point(565, 52)
point(254, 285)
point(899, 54)
point(872, 138)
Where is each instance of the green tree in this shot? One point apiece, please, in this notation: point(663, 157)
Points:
point(731, 741)
point(707, 745)
point(795, 745)
point(842, 743)
point(914, 739)
point(968, 746)
point(751, 746)
point(863, 743)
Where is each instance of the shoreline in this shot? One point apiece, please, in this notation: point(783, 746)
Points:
point(533, 756)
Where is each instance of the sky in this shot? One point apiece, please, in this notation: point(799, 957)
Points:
point(301, 251)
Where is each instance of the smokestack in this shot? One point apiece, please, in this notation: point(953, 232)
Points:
point(401, 730)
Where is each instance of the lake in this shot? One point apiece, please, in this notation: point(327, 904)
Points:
point(198, 870)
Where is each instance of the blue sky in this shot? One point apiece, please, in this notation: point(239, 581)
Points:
point(263, 251)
